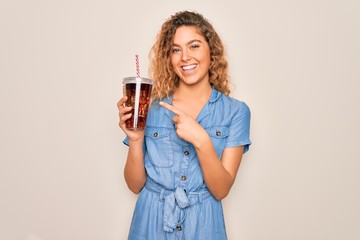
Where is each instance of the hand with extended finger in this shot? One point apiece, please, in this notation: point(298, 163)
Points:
point(186, 126)
point(125, 114)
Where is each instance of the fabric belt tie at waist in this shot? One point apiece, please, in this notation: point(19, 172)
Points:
point(175, 202)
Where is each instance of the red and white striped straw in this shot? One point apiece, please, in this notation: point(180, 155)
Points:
point(137, 65)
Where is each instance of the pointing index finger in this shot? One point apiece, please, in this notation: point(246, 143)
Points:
point(170, 108)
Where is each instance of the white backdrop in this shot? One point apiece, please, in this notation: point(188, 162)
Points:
point(296, 63)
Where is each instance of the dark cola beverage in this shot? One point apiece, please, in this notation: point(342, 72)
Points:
point(138, 91)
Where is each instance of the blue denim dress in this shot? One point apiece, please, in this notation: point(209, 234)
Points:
point(175, 202)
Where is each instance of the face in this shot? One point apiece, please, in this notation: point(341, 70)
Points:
point(190, 56)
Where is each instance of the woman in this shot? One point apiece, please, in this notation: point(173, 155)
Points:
point(186, 160)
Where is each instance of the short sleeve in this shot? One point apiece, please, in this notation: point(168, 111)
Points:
point(126, 141)
point(240, 128)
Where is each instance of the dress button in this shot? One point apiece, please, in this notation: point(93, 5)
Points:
point(186, 153)
point(155, 134)
point(179, 228)
point(218, 133)
point(183, 178)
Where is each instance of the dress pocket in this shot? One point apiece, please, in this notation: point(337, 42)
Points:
point(218, 136)
point(159, 147)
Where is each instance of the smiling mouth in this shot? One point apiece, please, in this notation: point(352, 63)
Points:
point(189, 67)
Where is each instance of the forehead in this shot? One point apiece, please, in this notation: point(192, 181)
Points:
point(184, 34)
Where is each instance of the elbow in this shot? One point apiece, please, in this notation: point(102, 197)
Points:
point(221, 191)
point(220, 195)
point(135, 189)
point(135, 186)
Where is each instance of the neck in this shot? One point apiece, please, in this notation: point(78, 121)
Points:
point(193, 92)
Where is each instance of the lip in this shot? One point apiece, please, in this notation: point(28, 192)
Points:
point(189, 67)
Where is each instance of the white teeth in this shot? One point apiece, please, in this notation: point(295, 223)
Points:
point(189, 67)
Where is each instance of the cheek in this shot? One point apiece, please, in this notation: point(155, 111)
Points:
point(174, 61)
point(206, 60)
point(174, 58)
point(204, 56)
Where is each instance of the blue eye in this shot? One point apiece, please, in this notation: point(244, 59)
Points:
point(194, 46)
point(175, 50)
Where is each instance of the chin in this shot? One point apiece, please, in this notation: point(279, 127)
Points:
point(190, 80)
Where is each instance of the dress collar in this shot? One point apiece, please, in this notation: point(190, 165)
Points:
point(215, 95)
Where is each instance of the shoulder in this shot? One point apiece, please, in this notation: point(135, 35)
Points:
point(155, 109)
point(155, 106)
point(234, 104)
point(158, 115)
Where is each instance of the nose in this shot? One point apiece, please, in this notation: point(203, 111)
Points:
point(185, 55)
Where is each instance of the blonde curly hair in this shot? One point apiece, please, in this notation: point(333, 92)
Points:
point(161, 69)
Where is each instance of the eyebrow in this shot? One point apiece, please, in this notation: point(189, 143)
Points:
point(189, 42)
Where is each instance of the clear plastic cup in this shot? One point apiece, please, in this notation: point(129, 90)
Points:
point(138, 91)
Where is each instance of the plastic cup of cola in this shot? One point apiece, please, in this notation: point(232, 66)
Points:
point(138, 91)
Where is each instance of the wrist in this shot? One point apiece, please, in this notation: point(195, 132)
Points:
point(136, 141)
point(202, 140)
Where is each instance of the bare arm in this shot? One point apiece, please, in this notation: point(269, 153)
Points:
point(134, 171)
point(219, 175)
